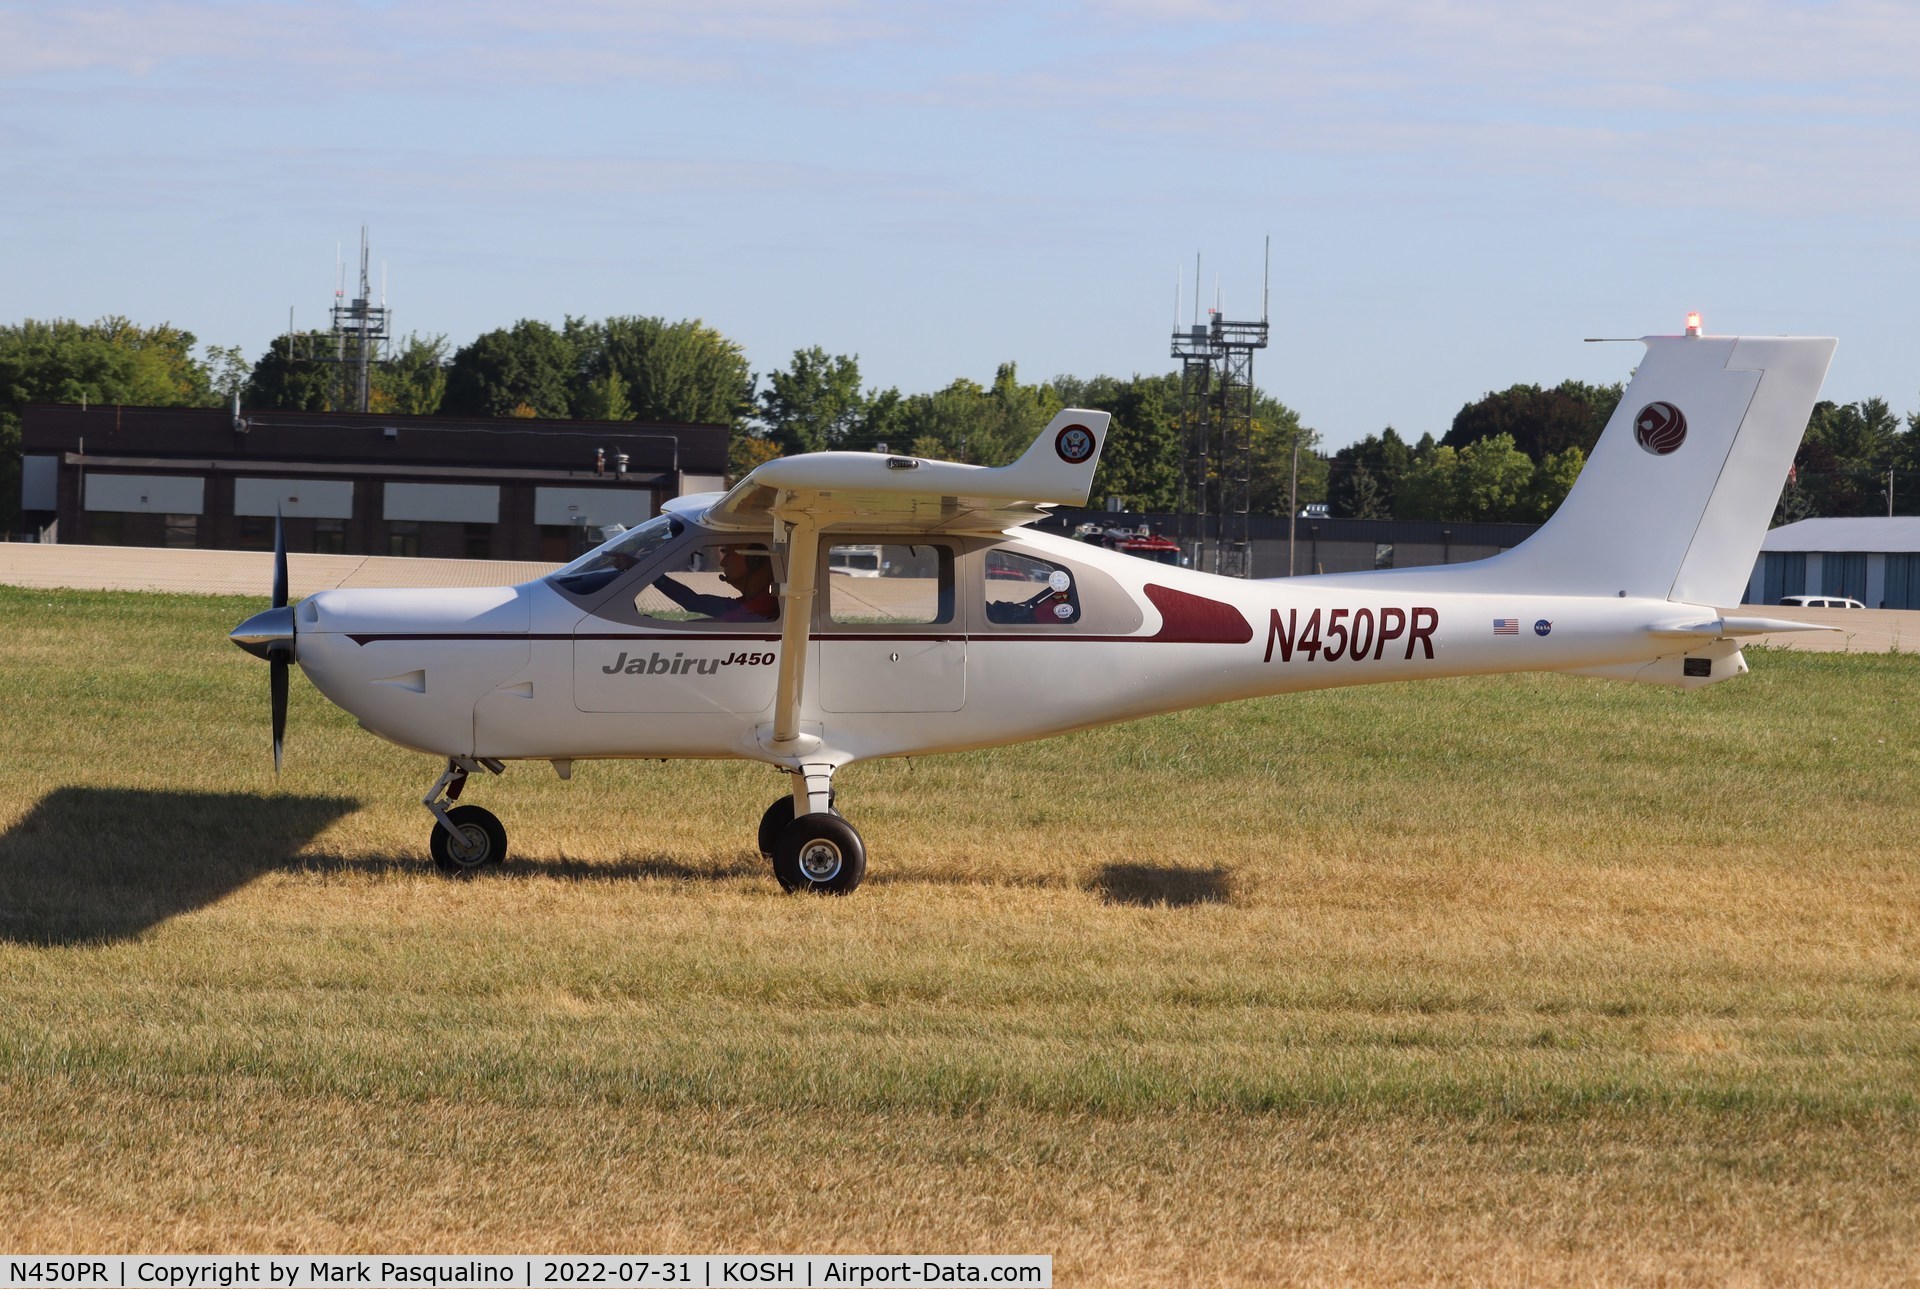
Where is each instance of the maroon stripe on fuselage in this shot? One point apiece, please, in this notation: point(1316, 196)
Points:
point(1194, 619)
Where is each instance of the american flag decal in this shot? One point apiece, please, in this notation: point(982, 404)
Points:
point(1506, 626)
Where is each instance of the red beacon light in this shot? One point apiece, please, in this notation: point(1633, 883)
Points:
point(1693, 324)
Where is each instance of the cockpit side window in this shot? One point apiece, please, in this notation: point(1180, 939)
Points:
point(595, 570)
point(734, 582)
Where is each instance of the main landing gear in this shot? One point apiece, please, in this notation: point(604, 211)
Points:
point(817, 851)
point(811, 847)
point(465, 838)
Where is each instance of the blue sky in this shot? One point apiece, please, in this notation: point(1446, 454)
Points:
point(1457, 193)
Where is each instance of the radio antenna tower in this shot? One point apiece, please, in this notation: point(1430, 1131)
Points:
point(1216, 411)
point(359, 336)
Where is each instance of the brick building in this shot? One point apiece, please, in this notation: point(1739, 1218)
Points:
point(350, 483)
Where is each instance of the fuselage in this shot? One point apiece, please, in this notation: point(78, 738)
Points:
point(964, 642)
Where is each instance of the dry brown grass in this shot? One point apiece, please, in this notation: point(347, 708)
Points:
point(1521, 979)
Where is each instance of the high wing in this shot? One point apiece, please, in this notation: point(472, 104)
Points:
point(907, 494)
point(795, 499)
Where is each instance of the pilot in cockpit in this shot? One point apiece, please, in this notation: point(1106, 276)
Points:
point(749, 572)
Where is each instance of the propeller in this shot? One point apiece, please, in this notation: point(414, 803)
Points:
point(269, 634)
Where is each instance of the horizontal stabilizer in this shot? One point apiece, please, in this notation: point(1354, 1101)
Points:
point(1728, 627)
point(909, 494)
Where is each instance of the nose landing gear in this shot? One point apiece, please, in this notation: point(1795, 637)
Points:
point(465, 838)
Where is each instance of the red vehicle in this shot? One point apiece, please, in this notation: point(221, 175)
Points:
point(1140, 541)
point(1161, 550)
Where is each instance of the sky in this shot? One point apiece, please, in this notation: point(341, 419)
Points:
point(1457, 194)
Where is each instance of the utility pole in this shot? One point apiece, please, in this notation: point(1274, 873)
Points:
point(1293, 501)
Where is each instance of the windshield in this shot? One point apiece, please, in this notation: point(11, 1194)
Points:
point(610, 559)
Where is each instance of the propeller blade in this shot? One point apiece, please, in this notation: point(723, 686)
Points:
point(279, 561)
point(277, 686)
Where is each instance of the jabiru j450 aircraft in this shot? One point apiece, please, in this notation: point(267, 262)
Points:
point(751, 624)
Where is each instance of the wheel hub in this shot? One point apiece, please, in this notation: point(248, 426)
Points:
point(469, 844)
point(820, 860)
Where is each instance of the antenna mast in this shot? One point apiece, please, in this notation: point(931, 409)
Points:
point(1217, 397)
point(360, 333)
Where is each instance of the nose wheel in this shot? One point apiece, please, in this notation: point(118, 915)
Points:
point(465, 839)
point(477, 839)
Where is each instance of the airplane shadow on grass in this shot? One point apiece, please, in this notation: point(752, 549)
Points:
point(94, 865)
point(1153, 885)
point(100, 865)
point(659, 867)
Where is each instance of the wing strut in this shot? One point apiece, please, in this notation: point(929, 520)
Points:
point(801, 536)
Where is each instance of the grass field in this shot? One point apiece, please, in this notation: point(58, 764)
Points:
point(1528, 978)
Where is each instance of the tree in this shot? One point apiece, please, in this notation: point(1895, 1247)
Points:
point(882, 419)
point(110, 360)
point(1793, 505)
point(747, 451)
point(1276, 428)
point(285, 379)
point(1364, 476)
point(1540, 422)
point(815, 404)
point(526, 365)
point(1427, 489)
point(604, 398)
point(1841, 468)
point(1142, 459)
point(1487, 481)
point(1552, 480)
point(1360, 496)
point(983, 426)
point(1494, 477)
point(227, 371)
point(677, 372)
point(413, 382)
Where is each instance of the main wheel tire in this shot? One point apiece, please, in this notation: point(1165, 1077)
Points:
point(482, 841)
point(775, 822)
point(820, 854)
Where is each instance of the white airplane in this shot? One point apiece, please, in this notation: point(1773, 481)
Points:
point(732, 625)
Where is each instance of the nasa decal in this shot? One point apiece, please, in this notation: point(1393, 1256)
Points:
point(1660, 428)
point(1074, 444)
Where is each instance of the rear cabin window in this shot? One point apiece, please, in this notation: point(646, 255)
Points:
point(1024, 591)
point(889, 585)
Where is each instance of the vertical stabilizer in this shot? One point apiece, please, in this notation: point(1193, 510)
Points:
point(1675, 500)
point(1676, 497)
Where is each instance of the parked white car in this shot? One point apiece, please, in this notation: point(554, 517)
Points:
point(1820, 602)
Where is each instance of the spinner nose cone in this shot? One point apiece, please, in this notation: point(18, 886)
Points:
point(266, 634)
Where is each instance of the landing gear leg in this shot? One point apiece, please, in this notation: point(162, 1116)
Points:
point(778, 816)
point(814, 850)
point(465, 838)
